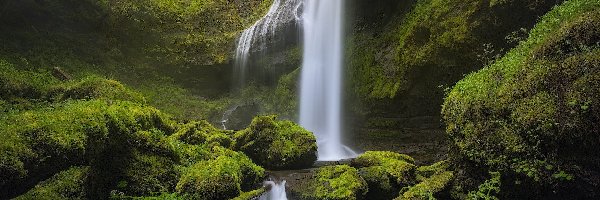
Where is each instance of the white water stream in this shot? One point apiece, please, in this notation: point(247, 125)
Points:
point(277, 191)
point(321, 81)
point(322, 67)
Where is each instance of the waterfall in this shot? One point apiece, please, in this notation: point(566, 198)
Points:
point(321, 80)
point(277, 191)
point(263, 31)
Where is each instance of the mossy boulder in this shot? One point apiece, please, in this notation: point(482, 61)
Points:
point(277, 144)
point(68, 184)
point(533, 114)
point(399, 166)
point(340, 182)
point(41, 142)
point(223, 177)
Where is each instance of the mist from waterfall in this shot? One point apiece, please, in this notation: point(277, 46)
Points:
point(321, 79)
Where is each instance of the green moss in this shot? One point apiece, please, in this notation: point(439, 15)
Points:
point(427, 171)
point(97, 88)
point(198, 132)
point(277, 144)
point(527, 114)
point(374, 158)
point(46, 140)
point(428, 187)
point(397, 165)
point(223, 177)
point(337, 182)
point(68, 184)
point(22, 83)
point(148, 174)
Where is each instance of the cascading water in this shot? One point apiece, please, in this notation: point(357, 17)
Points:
point(277, 191)
point(258, 35)
point(321, 81)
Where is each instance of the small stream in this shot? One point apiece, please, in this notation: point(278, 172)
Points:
point(276, 192)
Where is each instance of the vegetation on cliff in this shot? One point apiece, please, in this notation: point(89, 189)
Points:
point(533, 114)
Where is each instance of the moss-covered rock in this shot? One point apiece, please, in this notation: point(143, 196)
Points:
point(199, 132)
point(533, 115)
point(335, 183)
point(68, 184)
point(428, 187)
point(223, 177)
point(398, 166)
point(277, 144)
point(374, 158)
point(41, 142)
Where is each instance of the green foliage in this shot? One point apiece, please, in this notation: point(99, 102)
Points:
point(68, 184)
point(488, 189)
point(222, 177)
point(277, 144)
point(534, 112)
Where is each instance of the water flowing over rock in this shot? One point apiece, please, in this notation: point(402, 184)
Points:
point(277, 191)
point(321, 81)
point(281, 14)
